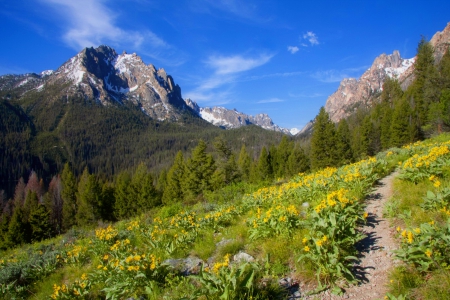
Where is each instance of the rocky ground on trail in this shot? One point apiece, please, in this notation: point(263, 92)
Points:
point(376, 256)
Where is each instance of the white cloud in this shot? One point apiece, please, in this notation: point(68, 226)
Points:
point(311, 37)
point(271, 100)
point(235, 64)
point(337, 75)
point(90, 23)
point(217, 89)
point(303, 95)
point(330, 75)
point(292, 49)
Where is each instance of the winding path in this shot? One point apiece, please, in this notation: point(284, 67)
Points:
point(376, 257)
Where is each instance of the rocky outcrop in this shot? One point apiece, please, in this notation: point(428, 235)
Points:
point(353, 93)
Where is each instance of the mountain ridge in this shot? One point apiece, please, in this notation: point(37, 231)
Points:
point(110, 78)
point(353, 93)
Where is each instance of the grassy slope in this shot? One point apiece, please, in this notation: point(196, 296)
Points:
point(289, 228)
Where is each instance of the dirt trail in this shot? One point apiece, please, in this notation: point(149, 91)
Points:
point(376, 257)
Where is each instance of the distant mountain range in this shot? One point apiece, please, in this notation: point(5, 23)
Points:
point(231, 118)
point(102, 74)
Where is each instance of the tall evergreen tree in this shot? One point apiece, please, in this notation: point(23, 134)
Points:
point(107, 202)
point(173, 191)
point(424, 85)
point(284, 151)
point(18, 228)
point(143, 191)
point(343, 143)
point(323, 142)
point(199, 169)
point(40, 225)
point(88, 199)
point(226, 171)
point(244, 163)
point(68, 195)
point(122, 204)
point(298, 162)
point(400, 124)
point(264, 168)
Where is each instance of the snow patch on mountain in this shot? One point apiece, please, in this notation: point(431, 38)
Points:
point(396, 72)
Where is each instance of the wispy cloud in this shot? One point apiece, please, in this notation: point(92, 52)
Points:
point(245, 10)
point(284, 74)
point(313, 95)
point(227, 70)
point(271, 100)
point(311, 37)
point(13, 70)
point(337, 75)
point(89, 23)
point(235, 64)
point(292, 49)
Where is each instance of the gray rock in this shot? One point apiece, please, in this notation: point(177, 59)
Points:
point(187, 266)
point(243, 257)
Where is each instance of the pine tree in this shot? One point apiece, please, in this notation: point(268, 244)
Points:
point(323, 142)
point(297, 162)
point(162, 181)
point(400, 124)
point(173, 191)
point(107, 202)
point(40, 225)
point(122, 204)
point(226, 171)
point(264, 168)
point(424, 85)
point(284, 151)
point(88, 198)
point(68, 195)
point(244, 164)
point(366, 139)
point(144, 192)
point(17, 230)
point(343, 140)
point(199, 170)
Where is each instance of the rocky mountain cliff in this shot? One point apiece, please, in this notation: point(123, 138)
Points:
point(352, 92)
point(231, 118)
point(101, 74)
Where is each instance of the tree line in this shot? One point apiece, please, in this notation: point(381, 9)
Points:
point(37, 212)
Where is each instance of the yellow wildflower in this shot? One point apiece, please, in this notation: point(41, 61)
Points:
point(428, 253)
point(306, 249)
point(410, 237)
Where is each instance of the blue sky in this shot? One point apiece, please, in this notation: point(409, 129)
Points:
point(280, 57)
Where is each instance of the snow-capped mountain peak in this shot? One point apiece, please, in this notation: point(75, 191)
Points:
point(231, 118)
